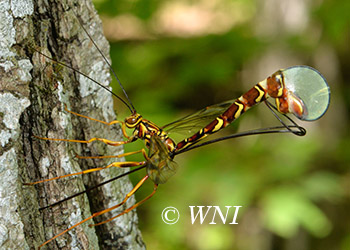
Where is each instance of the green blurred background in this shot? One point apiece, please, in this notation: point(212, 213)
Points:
point(176, 57)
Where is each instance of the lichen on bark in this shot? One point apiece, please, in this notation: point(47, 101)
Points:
point(33, 92)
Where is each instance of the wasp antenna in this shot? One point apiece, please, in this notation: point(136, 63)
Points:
point(131, 107)
point(85, 75)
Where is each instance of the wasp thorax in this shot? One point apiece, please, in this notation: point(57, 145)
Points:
point(133, 120)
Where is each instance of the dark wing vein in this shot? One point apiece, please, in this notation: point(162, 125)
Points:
point(198, 120)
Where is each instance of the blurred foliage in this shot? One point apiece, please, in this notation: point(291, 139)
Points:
point(294, 192)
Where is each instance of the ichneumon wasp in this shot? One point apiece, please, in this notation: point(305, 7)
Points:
point(299, 90)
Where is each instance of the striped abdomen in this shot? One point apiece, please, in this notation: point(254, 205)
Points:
point(271, 87)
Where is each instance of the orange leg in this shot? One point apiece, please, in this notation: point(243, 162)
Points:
point(114, 164)
point(96, 120)
point(128, 209)
point(109, 142)
point(107, 210)
point(111, 156)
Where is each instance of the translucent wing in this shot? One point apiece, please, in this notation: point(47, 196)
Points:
point(160, 166)
point(192, 123)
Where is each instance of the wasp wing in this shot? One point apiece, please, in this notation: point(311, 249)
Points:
point(196, 121)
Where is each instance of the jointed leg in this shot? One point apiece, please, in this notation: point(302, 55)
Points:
point(111, 156)
point(114, 164)
point(106, 210)
point(96, 120)
point(128, 209)
point(109, 142)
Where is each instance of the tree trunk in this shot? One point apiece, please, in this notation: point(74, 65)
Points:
point(33, 92)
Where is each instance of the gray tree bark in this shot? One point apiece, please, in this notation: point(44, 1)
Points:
point(33, 91)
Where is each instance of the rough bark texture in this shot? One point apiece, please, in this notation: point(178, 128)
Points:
point(33, 91)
